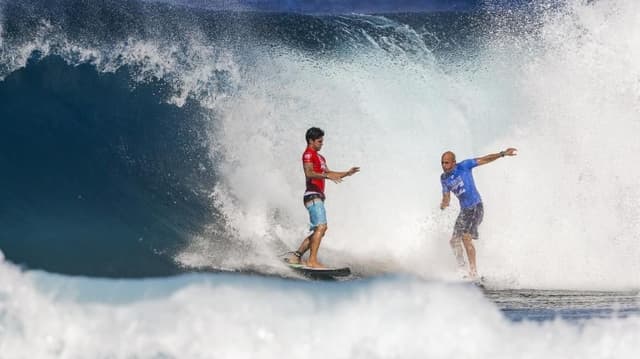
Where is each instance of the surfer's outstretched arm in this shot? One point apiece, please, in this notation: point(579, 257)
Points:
point(494, 156)
point(337, 177)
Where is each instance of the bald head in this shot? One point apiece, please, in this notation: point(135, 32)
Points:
point(449, 155)
point(448, 161)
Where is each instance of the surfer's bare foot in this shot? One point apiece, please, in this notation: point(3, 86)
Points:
point(294, 258)
point(315, 264)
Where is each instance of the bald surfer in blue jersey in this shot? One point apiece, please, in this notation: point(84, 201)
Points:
point(458, 178)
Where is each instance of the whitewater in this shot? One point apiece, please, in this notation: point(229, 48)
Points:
point(231, 316)
point(152, 179)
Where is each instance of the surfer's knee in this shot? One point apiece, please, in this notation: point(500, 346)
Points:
point(322, 228)
point(467, 240)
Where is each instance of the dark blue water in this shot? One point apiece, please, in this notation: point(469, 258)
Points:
point(351, 6)
point(99, 179)
point(336, 6)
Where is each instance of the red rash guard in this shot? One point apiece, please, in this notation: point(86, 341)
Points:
point(314, 185)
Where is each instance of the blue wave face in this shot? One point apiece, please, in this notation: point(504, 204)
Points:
point(99, 179)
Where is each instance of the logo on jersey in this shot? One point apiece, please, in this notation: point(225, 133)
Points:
point(456, 186)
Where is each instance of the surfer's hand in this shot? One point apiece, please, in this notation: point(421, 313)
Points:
point(334, 176)
point(353, 170)
point(510, 151)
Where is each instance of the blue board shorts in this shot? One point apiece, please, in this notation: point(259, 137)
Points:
point(468, 221)
point(317, 213)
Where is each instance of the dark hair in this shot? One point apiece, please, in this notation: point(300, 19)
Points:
point(313, 134)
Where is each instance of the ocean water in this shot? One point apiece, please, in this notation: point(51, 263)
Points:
point(151, 178)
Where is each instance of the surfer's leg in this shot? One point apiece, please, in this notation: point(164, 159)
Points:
point(456, 241)
point(474, 219)
point(316, 238)
point(296, 257)
point(304, 246)
point(318, 217)
point(471, 254)
point(456, 246)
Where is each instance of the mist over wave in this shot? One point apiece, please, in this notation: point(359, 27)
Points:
point(392, 92)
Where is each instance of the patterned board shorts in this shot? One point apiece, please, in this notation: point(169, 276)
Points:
point(468, 221)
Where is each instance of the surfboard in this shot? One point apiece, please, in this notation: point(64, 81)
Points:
point(320, 273)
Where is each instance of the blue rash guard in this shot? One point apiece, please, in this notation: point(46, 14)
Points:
point(460, 182)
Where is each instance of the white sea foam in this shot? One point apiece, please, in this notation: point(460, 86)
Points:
point(563, 214)
point(225, 316)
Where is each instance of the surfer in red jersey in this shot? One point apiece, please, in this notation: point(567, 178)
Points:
point(316, 172)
